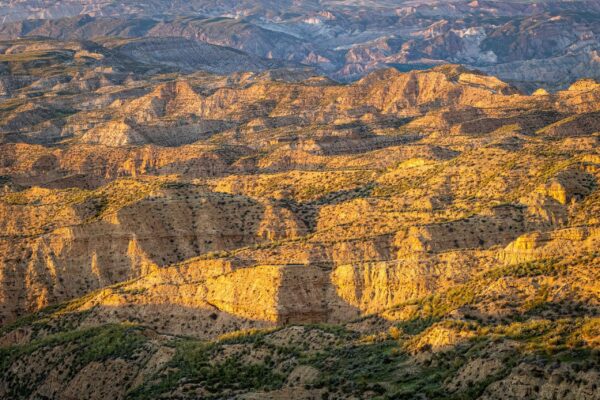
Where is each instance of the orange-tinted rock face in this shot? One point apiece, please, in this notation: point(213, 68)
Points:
point(381, 206)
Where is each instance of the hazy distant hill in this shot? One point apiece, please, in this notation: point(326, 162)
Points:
point(530, 44)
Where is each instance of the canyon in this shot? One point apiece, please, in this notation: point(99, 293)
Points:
point(183, 218)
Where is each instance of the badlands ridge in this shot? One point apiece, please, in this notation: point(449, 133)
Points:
point(429, 234)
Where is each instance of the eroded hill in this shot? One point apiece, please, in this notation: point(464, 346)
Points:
point(278, 235)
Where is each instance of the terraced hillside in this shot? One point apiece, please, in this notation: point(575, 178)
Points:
point(431, 234)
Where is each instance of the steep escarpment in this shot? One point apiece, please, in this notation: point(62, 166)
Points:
point(116, 233)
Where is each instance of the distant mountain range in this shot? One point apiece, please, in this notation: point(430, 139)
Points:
point(530, 44)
